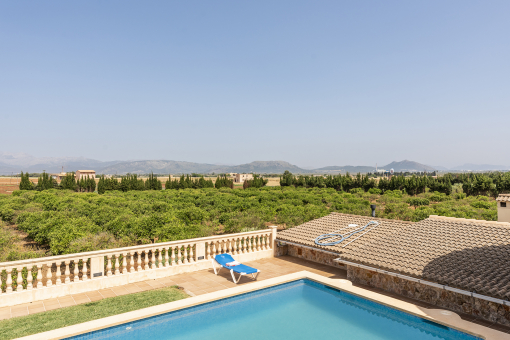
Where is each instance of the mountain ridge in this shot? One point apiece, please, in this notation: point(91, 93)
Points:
point(16, 162)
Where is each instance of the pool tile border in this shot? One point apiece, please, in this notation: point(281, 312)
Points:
point(441, 316)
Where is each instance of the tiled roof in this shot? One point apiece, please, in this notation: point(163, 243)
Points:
point(467, 254)
point(306, 233)
point(503, 198)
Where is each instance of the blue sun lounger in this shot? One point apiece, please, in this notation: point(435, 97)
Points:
point(241, 269)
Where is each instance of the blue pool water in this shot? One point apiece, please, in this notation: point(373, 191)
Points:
point(300, 309)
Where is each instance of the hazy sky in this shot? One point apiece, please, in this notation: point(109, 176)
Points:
point(314, 83)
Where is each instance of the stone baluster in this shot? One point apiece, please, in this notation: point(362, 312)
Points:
point(172, 254)
point(191, 253)
point(124, 263)
point(146, 260)
point(109, 265)
point(8, 282)
point(117, 264)
point(168, 257)
point(59, 274)
point(266, 243)
point(49, 275)
point(213, 246)
point(153, 259)
point(242, 245)
point(131, 262)
point(19, 280)
point(39, 275)
point(179, 255)
point(161, 264)
point(139, 261)
point(30, 277)
point(185, 254)
point(234, 245)
point(76, 272)
point(85, 270)
point(229, 244)
point(208, 251)
point(67, 273)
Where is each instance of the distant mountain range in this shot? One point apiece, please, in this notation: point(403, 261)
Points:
point(480, 167)
point(14, 163)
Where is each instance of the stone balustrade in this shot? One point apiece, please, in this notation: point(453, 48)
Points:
point(37, 279)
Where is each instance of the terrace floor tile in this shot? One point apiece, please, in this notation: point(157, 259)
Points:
point(106, 293)
point(66, 301)
point(4, 316)
point(37, 310)
point(155, 284)
point(120, 290)
point(21, 313)
point(94, 295)
point(81, 298)
point(36, 305)
point(16, 310)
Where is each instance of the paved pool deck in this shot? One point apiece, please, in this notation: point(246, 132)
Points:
point(205, 281)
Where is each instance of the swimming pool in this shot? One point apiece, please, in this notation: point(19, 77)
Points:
point(301, 309)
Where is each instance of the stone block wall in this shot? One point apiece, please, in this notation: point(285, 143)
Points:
point(308, 254)
point(486, 310)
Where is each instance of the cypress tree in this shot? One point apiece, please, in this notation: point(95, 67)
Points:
point(25, 183)
point(101, 185)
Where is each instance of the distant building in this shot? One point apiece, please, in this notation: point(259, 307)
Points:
point(85, 174)
point(503, 202)
point(59, 176)
point(240, 178)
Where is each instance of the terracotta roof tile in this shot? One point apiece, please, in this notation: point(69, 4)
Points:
point(503, 198)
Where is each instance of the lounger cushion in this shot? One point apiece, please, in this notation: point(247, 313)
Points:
point(223, 259)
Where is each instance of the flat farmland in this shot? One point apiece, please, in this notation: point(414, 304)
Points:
point(273, 182)
point(9, 184)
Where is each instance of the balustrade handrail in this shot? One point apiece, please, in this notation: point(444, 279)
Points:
point(125, 249)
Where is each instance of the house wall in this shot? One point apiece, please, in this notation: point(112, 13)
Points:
point(504, 213)
point(486, 310)
point(309, 254)
point(240, 178)
point(84, 174)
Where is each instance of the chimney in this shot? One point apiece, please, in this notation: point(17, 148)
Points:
point(503, 202)
point(373, 209)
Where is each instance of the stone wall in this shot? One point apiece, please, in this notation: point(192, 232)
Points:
point(487, 310)
point(308, 254)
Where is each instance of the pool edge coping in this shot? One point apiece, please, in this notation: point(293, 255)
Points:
point(452, 320)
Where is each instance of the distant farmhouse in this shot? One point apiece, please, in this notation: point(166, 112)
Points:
point(241, 178)
point(85, 174)
point(59, 176)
